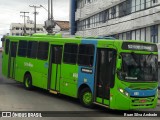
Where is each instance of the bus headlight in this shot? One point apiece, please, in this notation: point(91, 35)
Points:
point(121, 90)
point(124, 92)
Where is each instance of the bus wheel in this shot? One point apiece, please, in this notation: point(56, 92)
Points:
point(28, 82)
point(86, 98)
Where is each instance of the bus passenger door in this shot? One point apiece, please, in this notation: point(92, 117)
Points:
point(12, 60)
point(104, 74)
point(55, 67)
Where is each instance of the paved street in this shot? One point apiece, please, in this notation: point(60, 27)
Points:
point(13, 97)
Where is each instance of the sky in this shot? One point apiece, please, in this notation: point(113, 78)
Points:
point(10, 12)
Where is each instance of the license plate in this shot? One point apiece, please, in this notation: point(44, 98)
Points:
point(142, 101)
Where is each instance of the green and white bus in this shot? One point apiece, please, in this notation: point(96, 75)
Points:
point(117, 74)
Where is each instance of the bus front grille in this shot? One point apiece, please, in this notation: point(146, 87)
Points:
point(148, 101)
point(142, 105)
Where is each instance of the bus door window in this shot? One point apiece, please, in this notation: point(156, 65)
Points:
point(54, 67)
point(56, 55)
point(12, 60)
point(105, 72)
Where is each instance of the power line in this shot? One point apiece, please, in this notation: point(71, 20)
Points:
point(24, 20)
point(35, 13)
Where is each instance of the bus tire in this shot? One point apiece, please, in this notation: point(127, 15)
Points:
point(28, 82)
point(86, 98)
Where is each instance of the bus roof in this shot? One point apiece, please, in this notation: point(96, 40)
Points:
point(51, 37)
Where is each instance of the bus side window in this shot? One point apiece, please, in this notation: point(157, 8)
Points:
point(43, 48)
point(70, 53)
point(22, 48)
point(32, 49)
point(86, 55)
point(7, 46)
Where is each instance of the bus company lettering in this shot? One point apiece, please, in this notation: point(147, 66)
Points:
point(86, 70)
point(28, 64)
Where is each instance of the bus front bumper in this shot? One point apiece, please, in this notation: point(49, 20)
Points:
point(122, 102)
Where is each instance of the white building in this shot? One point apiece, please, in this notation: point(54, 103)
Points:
point(18, 28)
point(123, 19)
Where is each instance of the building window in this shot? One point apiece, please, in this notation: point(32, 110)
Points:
point(121, 36)
point(125, 8)
point(88, 23)
point(22, 48)
point(124, 36)
point(128, 35)
point(154, 33)
point(148, 3)
point(148, 34)
point(122, 9)
point(97, 19)
point(43, 50)
point(143, 34)
point(70, 53)
point(138, 3)
point(86, 55)
point(101, 17)
point(142, 4)
point(106, 17)
point(113, 12)
point(32, 49)
point(82, 3)
point(138, 34)
point(133, 35)
point(154, 1)
point(133, 5)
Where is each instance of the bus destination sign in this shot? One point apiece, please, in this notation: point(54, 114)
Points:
point(139, 46)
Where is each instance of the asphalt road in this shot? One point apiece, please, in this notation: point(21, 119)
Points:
point(13, 97)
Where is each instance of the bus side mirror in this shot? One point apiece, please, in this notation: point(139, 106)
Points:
point(119, 64)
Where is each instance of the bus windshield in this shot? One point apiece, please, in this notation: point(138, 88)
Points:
point(138, 67)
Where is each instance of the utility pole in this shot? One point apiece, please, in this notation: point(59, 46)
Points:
point(24, 15)
point(35, 13)
point(50, 23)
